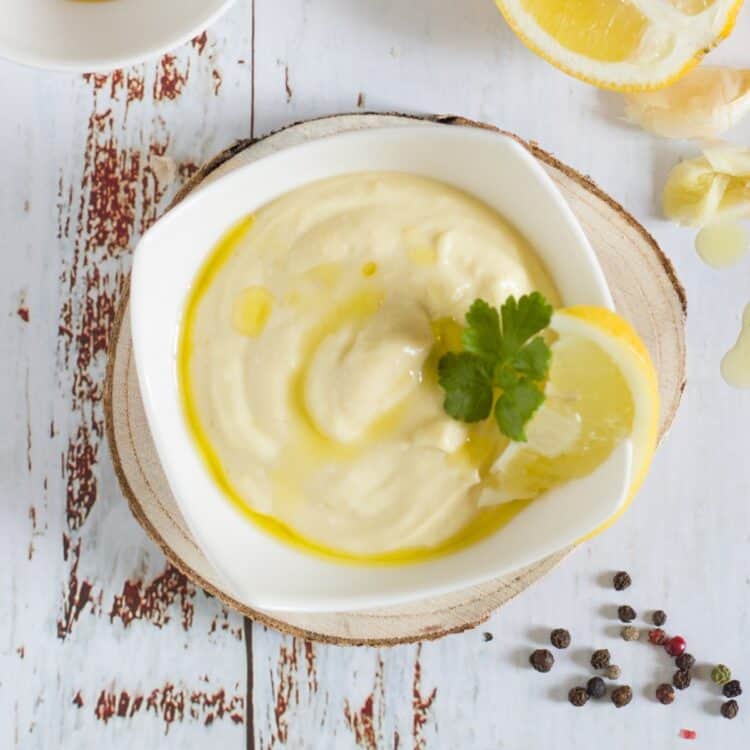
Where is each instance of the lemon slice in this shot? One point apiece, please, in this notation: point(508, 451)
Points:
point(626, 45)
point(602, 389)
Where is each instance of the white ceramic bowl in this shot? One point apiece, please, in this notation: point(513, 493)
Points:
point(98, 36)
point(258, 569)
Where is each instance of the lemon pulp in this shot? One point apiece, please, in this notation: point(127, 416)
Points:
point(604, 30)
point(588, 411)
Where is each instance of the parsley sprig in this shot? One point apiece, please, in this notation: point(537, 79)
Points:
point(511, 359)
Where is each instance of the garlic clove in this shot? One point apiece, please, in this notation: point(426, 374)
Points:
point(727, 159)
point(703, 104)
point(693, 193)
point(713, 187)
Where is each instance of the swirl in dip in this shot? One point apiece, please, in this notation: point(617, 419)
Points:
point(308, 356)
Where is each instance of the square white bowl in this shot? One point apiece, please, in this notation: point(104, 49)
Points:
point(260, 570)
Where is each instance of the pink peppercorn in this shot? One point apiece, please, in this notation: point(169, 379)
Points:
point(688, 734)
point(675, 646)
point(657, 636)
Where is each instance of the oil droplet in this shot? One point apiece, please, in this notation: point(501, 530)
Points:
point(251, 310)
point(447, 334)
point(326, 274)
point(423, 255)
point(735, 366)
point(722, 244)
point(370, 268)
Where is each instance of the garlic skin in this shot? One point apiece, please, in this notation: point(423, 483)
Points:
point(705, 103)
point(711, 188)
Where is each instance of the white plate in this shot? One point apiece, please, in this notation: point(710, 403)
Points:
point(260, 570)
point(89, 36)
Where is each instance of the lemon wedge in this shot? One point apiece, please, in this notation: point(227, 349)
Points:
point(626, 45)
point(602, 389)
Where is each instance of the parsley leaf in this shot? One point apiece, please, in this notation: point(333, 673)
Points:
point(468, 387)
point(500, 359)
point(523, 319)
point(532, 360)
point(482, 335)
point(515, 407)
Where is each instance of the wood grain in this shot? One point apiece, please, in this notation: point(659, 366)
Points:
point(95, 588)
point(646, 291)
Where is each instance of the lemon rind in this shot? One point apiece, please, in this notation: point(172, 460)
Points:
point(685, 65)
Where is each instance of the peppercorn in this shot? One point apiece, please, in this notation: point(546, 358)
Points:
point(600, 659)
point(657, 636)
point(596, 688)
point(542, 660)
point(626, 613)
point(612, 672)
point(622, 695)
point(560, 638)
point(675, 646)
point(621, 580)
point(685, 661)
point(665, 693)
point(721, 673)
point(729, 709)
point(681, 679)
point(659, 617)
point(732, 689)
point(578, 696)
point(487, 637)
point(629, 633)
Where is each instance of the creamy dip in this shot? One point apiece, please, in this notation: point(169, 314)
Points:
point(308, 360)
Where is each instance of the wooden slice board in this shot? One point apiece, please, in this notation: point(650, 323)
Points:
point(646, 292)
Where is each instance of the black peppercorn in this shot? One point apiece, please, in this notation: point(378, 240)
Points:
point(729, 709)
point(542, 660)
point(596, 687)
point(578, 696)
point(626, 613)
point(681, 679)
point(560, 638)
point(665, 693)
point(732, 689)
point(685, 661)
point(659, 617)
point(622, 695)
point(621, 581)
point(600, 659)
point(487, 637)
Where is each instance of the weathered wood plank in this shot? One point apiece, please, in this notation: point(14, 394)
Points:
point(106, 638)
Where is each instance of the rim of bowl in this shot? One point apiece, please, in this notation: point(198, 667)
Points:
point(107, 64)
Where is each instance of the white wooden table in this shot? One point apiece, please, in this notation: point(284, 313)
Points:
point(104, 645)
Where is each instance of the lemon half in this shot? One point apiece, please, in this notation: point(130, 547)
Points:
point(626, 45)
point(602, 389)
